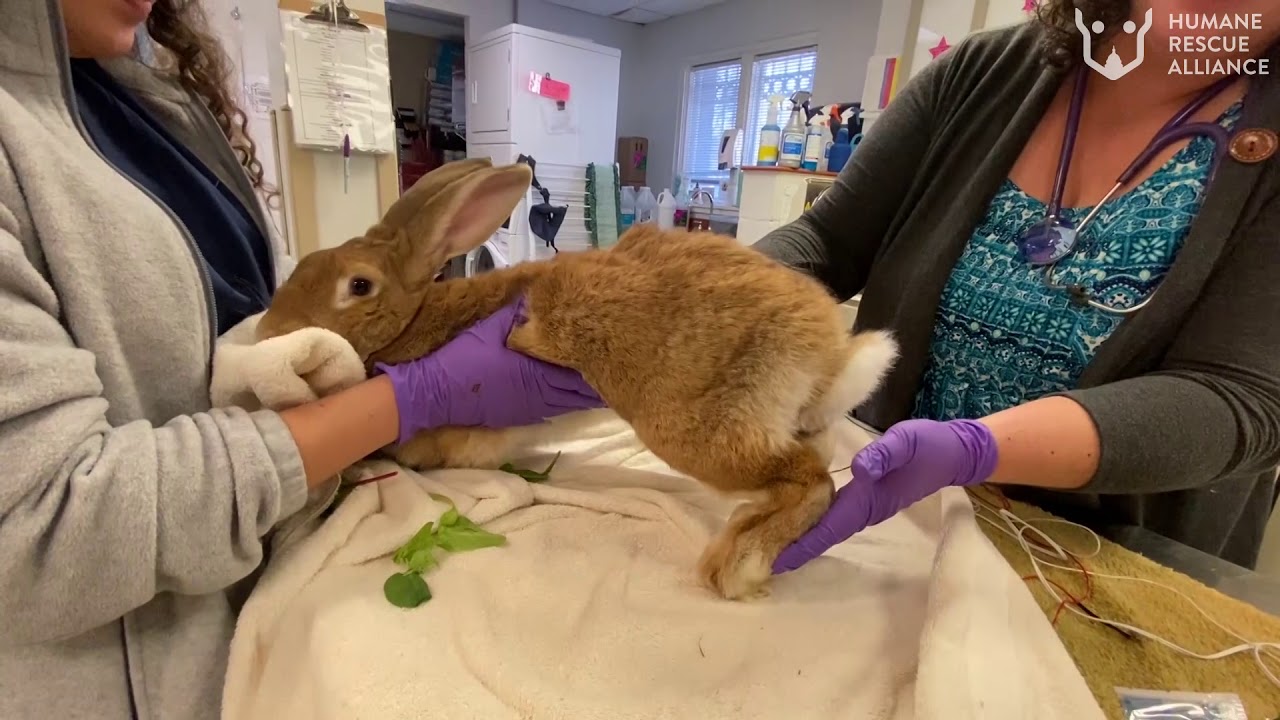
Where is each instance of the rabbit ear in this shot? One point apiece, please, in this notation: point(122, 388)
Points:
point(461, 217)
point(426, 189)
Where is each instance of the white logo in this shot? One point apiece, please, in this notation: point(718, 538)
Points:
point(1114, 69)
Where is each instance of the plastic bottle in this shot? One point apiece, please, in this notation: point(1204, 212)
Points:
point(770, 135)
point(682, 206)
point(791, 148)
point(628, 207)
point(840, 151)
point(814, 142)
point(646, 204)
point(827, 138)
point(666, 210)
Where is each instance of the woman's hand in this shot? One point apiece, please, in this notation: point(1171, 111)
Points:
point(912, 461)
point(475, 380)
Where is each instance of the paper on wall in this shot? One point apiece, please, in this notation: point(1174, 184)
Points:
point(339, 84)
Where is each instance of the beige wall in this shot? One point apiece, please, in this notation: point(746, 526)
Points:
point(409, 56)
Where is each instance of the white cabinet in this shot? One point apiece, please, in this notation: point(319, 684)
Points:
point(502, 109)
point(773, 197)
point(489, 88)
point(506, 118)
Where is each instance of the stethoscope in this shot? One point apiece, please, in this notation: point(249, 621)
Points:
point(1048, 242)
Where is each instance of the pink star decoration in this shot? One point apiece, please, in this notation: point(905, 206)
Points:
point(1028, 6)
point(940, 48)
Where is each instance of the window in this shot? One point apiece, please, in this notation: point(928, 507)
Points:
point(711, 107)
point(782, 74)
point(716, 98)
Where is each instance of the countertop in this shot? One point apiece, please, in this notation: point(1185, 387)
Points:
point(1261, 591)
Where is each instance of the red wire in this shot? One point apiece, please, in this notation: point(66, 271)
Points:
point(366, 481)
point(1002, 502)
point(1072, 599)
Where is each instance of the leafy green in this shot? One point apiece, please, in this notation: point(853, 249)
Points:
point(532, 476)
point(424, 539)
point(450, 517)
point(464, 536)
point(441, 499)
point(452, 532)
point(406, 590)
point(422, 561)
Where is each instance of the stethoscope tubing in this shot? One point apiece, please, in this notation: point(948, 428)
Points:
point(1175, 129)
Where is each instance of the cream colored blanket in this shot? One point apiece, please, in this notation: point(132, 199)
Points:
point(591, 610)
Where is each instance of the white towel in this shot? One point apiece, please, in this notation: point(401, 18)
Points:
point(280, 373)
point(591, 610)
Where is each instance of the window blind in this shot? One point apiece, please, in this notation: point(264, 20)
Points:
point(780, 74)
point(711, 107)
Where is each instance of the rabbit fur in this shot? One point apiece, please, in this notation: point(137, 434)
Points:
point(731, 367)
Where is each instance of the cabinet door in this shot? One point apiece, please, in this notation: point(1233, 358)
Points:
point(583, 130)
point(489, 88)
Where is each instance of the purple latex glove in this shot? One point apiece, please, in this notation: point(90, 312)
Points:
point(913, 460)
point(475, 380)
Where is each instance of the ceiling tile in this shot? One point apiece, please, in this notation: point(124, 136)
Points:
point(597, 7)
point(643, 17)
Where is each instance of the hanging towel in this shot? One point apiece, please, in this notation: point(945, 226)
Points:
point(604, 203)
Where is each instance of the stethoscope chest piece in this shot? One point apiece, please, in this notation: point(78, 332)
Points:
point(1254, 145)
point(1047, 242)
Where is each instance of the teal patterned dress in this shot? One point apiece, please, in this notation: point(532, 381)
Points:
point(1002, 337)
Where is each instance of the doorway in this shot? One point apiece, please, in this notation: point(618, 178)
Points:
point(426, 52)
point(427, 61)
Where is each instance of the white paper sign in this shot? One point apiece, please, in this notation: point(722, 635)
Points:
point(339, 84)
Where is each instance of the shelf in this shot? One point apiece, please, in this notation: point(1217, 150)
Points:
point(795, 171)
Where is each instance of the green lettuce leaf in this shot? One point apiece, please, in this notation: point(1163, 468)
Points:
point(406, 590)
point(532, 476)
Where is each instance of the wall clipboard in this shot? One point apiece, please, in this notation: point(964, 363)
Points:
point(339, 82)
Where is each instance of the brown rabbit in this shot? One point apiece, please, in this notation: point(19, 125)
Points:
point(730, 367)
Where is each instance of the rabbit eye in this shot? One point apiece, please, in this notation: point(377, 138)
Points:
point(361, 287)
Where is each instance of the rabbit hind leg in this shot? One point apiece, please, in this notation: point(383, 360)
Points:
point(796, 491)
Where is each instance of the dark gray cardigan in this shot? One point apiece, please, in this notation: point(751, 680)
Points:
point(1185, 393)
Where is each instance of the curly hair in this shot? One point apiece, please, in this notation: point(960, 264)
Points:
point(1062, 43)
point(202, 68)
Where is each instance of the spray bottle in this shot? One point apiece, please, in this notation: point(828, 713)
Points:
point(842, 147)
point(770, 134)
point(792, 146)
point(828, 136)
point(815, 142)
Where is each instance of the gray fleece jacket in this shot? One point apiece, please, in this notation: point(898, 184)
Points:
point(1185, 394)
point(127, 505)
